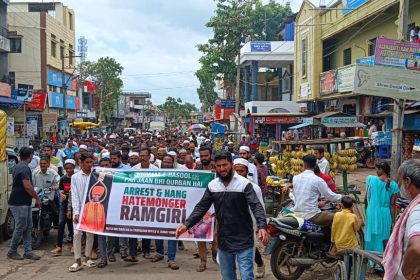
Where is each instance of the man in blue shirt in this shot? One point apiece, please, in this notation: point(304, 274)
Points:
point(70, 150)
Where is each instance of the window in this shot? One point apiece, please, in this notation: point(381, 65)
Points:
point(372, 46)
point(71, 54)
point(71, 21)
point(62, 49)
point(15, 45)
point(286, 84)
point(53, 46)
point(12, 79)
point(304, 57)
point(347, 56)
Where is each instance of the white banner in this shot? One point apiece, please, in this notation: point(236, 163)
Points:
point(145, 204)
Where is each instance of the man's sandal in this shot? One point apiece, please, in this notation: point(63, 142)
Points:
point(89, 263)
point(157, 258)
point(173, 266)
point(202, 267)
point(75, 267)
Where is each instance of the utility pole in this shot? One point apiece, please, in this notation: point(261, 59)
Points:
point(398, 113)
point(64, 85)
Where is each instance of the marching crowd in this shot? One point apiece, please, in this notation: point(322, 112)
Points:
point(237, 194)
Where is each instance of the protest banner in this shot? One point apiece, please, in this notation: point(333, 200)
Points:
point(145, 203)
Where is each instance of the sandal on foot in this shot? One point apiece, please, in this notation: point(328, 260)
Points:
point(196, 255)
point(112, 258)
point(173, 266)
point(157, 258)
point(131, 259)
point(202, 267)
point(75, 267)
point(101, 264)
point(89, 263)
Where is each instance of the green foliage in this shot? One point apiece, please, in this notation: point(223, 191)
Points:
point(106, 74)
point(176, 110)
point(233, 22)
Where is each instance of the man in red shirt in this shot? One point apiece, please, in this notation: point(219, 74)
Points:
point(330, 181)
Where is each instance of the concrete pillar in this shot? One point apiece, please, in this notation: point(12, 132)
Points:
point(292, 77)
point(247, 93)
point(280, 90)
point(254, 80)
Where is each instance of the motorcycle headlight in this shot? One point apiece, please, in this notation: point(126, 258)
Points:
point(282, 237)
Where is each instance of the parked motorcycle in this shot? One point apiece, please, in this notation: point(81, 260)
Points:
point(42, 217)
point(401, 204)
point(295, 247)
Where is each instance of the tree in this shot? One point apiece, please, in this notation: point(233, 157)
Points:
point(105, 73)
point(176, 110)
point(233, 22)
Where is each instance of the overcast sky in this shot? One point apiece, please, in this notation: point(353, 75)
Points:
point(155, 41)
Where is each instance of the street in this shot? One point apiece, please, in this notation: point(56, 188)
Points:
point(57, 267)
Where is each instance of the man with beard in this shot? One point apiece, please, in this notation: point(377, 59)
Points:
point(144, 164)
point(123, 242)
point(134, 158)
point(181, 156)
point(167, 163)
point(205, 159)
point(401, 256)
point(232, 196)
point(244, 153)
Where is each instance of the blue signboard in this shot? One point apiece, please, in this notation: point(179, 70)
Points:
point(260, 46)
point(71, 102)
point(352, 4)
point(227, 104)
point(54, 79)
point(55, 100)
point(367, 60)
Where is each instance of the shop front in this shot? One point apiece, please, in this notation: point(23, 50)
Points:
point(269, 128)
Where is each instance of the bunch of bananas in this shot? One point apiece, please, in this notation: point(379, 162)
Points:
point(274, 183)
point(218, 143)
point(346, 159)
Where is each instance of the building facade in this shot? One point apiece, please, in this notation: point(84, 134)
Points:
point(42, 65)
point(332, 41)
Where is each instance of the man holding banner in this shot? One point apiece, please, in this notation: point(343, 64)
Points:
point(232, 197)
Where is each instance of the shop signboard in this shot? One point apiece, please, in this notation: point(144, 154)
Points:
point(71, 102)
point(32, 126)
point(367, 60)
point(5, 90)
point(39, 99)
point(227, 104)
point(10, 129)
point(277, 120)
point(398, 54)
point(49, 122)
point(345, 78)
point(309, 121)
point(328, 82)
point(339, 120)
point(388, 82)
point(24, 92)
point(55, 99)
point(349, 5)
point(304, 90)
point(261, 46)
point(55, 79)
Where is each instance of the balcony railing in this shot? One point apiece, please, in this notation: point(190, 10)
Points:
point(3, 31)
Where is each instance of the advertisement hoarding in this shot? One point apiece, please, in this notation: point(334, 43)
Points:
point(398, 54)
point(348, 5)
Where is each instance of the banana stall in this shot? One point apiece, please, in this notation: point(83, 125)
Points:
point(340, 153)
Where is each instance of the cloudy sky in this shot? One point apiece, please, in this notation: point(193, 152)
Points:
point(155, 41)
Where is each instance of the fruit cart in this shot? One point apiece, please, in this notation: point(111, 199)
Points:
point(339, 153)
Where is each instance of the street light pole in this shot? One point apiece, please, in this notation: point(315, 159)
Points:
point(64, 86)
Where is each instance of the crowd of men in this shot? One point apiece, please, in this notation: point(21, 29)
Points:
point(67, 169)
point(237, 194)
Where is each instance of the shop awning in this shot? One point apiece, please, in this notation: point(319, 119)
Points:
point(300, 125)
point(10, 102)
point(339, 125)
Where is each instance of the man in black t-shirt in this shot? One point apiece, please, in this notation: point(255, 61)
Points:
point(65, 210)
point(20, 203)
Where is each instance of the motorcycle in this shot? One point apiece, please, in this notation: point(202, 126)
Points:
point(42, 217)
point(296, 246)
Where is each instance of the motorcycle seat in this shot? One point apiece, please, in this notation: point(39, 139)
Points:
point(288, 221)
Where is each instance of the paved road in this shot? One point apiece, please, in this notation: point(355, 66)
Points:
point(56, 267)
